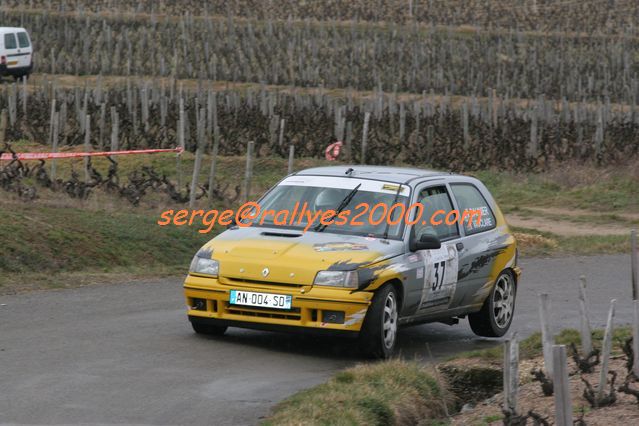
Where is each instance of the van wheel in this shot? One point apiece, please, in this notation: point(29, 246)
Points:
point(379, 331)
point(208, 329)
point(496, 315)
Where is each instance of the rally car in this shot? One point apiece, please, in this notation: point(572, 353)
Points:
point(363, 278)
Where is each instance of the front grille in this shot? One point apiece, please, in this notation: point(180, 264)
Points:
point(291, 314)
point(232, 281)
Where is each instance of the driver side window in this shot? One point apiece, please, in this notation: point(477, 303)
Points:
point(436, 200)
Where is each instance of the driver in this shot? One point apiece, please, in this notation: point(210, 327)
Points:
point(328, 199)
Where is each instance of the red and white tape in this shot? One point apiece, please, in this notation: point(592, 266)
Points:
point(48, 155)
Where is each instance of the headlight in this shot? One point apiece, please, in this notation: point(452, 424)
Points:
point(346, 279)
point(204, 266)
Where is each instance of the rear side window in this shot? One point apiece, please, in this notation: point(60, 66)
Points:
point(471, 205)
point(23, 40)
point(10, 41)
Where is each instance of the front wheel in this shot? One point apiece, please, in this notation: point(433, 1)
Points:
point(496, 315)
point(379, 331)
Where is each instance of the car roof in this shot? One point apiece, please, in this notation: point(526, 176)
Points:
point(11, 29)
point(383, 173)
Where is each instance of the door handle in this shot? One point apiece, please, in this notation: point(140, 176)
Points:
point(460, 246)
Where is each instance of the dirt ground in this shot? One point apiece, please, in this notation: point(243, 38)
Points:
point(565, 228)
point(569, 222)
point(488, 412)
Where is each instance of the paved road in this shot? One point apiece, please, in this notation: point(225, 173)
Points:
point(126, 354)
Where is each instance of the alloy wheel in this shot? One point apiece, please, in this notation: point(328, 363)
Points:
point(389, 327)
point(503, 301)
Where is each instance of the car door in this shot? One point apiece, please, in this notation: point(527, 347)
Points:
point(478, 248)
point(441, 265)
point(25, 50)
point(11, 49)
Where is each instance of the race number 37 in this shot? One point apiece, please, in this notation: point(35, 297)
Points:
point(440, 272)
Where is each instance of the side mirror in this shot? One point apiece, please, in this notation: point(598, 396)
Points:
point(425, 242)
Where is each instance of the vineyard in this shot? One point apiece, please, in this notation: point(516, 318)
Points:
point(456, 85)
point(587, 16)
point(332, 54)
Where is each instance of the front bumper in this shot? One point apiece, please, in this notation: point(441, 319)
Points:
point(208, 298)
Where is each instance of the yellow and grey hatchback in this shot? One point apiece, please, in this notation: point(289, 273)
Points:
point(363, 276)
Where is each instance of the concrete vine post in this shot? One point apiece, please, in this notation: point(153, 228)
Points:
point(24, 98)
point(281, 137)
point(101, 125)
point(606, 346)
point(200, 147)
point(367, 118)
point(546, 333)
point(248, 173)
point(53, 109)
point(182, 143)
point(585, 329)
point(464, 120)
point(511, 375)
point(291, 157)
point(216, 147)
point(87, 146)
point(54, 143)
point(561, 387)
point(114, 129)
point(3, 125)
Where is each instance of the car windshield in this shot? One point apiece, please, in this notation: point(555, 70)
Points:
point(299, 202)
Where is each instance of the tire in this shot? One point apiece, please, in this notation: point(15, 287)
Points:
point(208, 329)
point(495, 317)
point(378, 336)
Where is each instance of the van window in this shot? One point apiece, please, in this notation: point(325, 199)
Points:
point(10, 41)
point(470, 201)
point(435, 200)
point(23, 40)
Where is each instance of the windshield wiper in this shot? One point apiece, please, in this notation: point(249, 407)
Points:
point(320, 227)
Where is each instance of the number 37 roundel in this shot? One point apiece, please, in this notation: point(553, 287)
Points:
point(440, 279)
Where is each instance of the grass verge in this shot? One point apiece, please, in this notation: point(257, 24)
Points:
point(41, 242)
point(387, 393)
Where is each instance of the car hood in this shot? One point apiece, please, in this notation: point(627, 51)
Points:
point(290, 256)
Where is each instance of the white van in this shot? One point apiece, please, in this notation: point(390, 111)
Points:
point(16, 52)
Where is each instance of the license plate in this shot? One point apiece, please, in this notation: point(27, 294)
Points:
point(12, 63)
point(264, 300)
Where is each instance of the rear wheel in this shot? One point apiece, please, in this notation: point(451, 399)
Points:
point(208, 329)
point(379, 331)
point(496, 315)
